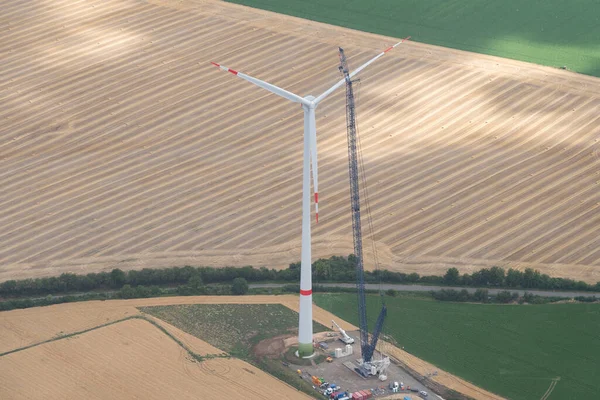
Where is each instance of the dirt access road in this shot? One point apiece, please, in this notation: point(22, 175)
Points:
point(122, 146)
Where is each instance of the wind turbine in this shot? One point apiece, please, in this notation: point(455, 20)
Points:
point(309, 104)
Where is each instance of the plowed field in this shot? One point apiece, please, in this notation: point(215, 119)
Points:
point(121, 146)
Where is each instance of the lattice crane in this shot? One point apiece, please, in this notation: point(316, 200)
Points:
point(367, 346)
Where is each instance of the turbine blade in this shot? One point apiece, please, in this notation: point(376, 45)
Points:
point(271, 88)
point(313, 157)
point(356, 71)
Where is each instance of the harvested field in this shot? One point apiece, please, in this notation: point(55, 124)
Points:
point(20, 328)
point(131, 359)
point(33, 327)
point(121, 146)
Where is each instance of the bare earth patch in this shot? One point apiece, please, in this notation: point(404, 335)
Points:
point(271, 348)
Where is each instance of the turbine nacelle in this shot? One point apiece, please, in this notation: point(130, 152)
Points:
point(310, 102)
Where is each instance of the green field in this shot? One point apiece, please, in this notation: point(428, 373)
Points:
point(512, 350)
point(233, 328)
point(550, 32)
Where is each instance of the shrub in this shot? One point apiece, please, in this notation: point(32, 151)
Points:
point(117, 278)
point(506, 296)
point(481, 295)
point(585, 299)
point(239, 286)
point(127, 292)
point(451, 295)
point(452, 277)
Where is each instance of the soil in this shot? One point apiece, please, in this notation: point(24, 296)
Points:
point(271, 348)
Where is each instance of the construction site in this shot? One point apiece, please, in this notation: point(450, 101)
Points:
point(338, 378)
point(340, 375)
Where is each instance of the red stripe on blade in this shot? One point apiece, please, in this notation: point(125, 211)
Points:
point(317, 214)
point(388, 49)
point(232, 71)
point(305, 292)
point(406, 38)
point(215, 64)
point(316, 197)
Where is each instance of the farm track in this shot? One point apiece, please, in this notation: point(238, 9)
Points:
point(121, 146)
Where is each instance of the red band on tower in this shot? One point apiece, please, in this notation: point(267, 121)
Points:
point(305, 292)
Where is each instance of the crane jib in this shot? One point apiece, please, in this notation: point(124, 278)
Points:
point(367, 347)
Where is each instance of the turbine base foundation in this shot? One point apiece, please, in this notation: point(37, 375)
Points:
point(305, 350)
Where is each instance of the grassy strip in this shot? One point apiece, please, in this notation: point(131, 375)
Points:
point(192, 354)
point(287, 375)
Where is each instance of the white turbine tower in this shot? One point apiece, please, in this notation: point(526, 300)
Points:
point(309, 104)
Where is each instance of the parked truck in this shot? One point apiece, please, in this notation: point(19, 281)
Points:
point(340, 396)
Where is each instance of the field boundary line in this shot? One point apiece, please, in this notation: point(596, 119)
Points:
point(66, 336)
point(191, 353)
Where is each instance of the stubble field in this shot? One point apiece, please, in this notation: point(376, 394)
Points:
point(121, 146)
point(131, 359)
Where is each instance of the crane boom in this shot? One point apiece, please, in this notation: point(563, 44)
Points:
point(345, 338)
point(367, 347)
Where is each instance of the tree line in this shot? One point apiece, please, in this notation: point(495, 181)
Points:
point(194, 286)
point(117, 279)
point(334, 269)
point(528, 279)
point(505, 297)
